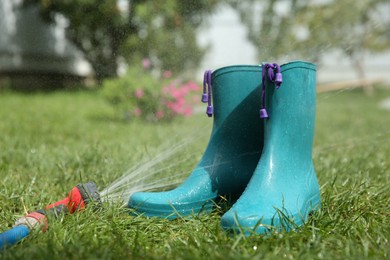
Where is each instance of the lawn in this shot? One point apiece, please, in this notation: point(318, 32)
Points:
point(49, 142)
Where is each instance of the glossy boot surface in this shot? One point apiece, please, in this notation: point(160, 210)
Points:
point(284, 188)
point(232, 153)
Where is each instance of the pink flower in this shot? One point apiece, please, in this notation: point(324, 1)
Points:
point(193, 86)
point(170, 105)
point(180, 101)
point(176, 107)
point(146, 63)
point(159, 114)
point(187, 111)
point(167, 74)
point(137, 111)
point(165, 90)
point(195, 99)
point(139, 93)
point(176, 93)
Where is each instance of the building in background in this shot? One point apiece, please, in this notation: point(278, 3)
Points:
point(34, 53)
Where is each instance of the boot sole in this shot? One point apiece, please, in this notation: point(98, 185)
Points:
point(170, 211)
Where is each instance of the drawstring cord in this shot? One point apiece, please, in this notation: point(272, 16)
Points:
point(206, 97)
point(275, 76)
point(270, 70)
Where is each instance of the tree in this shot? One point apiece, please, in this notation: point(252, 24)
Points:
point(310, 28)
point(106, 30)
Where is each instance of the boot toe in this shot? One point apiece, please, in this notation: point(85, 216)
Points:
point(235, 223)
point(168, 205)
point(260, 224)
point(267, 219)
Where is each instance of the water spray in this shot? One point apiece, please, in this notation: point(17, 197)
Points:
point(140, 177)
point(77, 200)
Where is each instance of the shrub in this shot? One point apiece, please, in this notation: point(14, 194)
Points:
point(139, 94)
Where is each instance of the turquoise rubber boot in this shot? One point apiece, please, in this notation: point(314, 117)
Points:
point(284, 188)
point(232, 153)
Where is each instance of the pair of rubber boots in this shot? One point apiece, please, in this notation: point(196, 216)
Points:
point(264, 163)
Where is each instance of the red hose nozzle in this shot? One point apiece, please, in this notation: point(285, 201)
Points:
point(77, 199)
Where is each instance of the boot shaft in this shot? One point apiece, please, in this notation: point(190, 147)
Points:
point(236, 93)
point(291, 109)
point(237, 136)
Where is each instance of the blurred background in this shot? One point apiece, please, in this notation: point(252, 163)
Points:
point(147, 57)
point(51, 44)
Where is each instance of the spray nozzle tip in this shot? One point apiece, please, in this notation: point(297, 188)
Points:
point(89, 192)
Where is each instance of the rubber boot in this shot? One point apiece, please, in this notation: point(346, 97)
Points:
point(284, 188)
point(231, 155)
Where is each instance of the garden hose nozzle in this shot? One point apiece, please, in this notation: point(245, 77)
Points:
point(79, 197)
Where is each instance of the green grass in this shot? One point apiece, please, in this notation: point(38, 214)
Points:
point(51, 142)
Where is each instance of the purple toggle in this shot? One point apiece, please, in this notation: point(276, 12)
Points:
point(263, 113)
point(270, 71)
point(204, 98)
point(205, 81)
point(275, 76)
point(207, 92)
point(278, 79)
point(209, 111)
